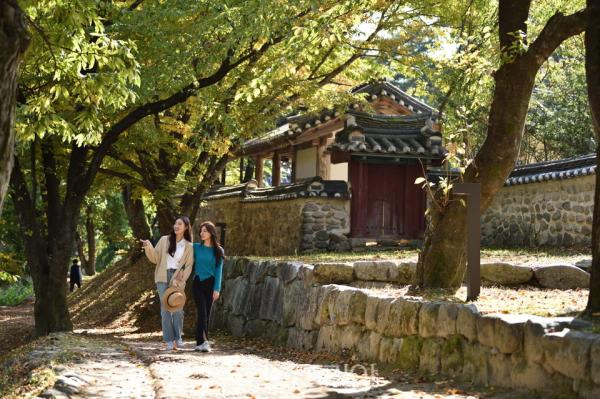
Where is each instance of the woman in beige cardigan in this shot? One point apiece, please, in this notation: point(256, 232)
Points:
point(174, 259)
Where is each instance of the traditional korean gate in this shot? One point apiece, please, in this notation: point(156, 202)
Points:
point(385, 201)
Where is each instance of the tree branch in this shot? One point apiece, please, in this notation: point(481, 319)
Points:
point(182, 95)
point(135, 5)
point(559, 28)
point(120, 175)
point(130, 164)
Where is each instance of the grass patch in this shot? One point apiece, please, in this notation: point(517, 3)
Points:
point(519, 255)
point(507, 300)
point(15, 294)
point(346, 256)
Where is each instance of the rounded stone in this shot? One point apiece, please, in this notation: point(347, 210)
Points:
point(310, 207)
point(322, 235)
point(505, 273)
point(562, 277)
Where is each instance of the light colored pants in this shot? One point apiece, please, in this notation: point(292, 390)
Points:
point(172, 322)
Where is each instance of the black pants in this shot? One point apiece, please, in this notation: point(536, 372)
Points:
point(75, 283)
point(203, 296)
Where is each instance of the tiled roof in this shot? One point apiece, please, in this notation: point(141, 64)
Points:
point(312, 187)
point(292, 126)
point(566, 168)
point(553, 170)
point(385, 88)
point(409, 136)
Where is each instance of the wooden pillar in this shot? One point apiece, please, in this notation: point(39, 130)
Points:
point(323, 160)
point(276, 180)
point(241, 169)
point(258, 168)
point(293, 159)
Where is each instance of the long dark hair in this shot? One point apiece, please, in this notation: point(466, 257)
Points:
point(218, 250)
point(187, 234)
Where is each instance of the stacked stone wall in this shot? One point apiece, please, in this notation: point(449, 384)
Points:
point(551, 213)
point(325, 225)
point(292, 304)
point(284, 227)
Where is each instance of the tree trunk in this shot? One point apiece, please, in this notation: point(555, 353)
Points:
point(13, 43)
point(47, 256)
point(88, 263)
point(50, 285)
point(592, 69)
point(442, 262)
point(136, 216)
point(166, 214)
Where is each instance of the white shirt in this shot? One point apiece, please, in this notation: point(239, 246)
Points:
point(173, 261)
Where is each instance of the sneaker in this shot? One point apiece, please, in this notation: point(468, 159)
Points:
point(203, 347)
point(180, 343)
point(170, 345)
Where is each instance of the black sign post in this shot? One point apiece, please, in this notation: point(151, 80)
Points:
point(471, 192)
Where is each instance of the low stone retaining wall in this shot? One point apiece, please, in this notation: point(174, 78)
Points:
point(285, 302)
point(402, 272)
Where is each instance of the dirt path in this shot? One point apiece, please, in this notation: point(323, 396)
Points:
point(108, 364)
point(91, 366)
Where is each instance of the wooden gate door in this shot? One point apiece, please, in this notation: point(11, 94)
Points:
point(385, 215)
point(385, 201)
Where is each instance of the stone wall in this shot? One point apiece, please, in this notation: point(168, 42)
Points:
point(324, 226)
point(555, 212)
point(283, 227)
point(293, 304)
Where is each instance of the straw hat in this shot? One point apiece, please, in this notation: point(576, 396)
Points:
point(173, 299)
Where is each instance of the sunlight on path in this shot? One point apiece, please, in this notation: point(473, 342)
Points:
point(102, 369)
point(229, 373)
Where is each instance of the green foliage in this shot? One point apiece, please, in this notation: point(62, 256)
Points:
point(11, 244)
point(15, 293)
point(112, 220)
point(109, 255)
point(11, 268)
point(559, 124)
point(75, 75)
point(454, 70)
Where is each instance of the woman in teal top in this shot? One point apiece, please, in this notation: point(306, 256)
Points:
point(208, 268)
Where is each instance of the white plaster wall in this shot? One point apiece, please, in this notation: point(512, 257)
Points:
point(339, 171)
point(306, 163)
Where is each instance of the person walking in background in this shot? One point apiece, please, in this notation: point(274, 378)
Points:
point(208, 268)
point(74, 275)
point(174, 259)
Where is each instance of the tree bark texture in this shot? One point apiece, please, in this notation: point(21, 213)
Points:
point(88, 263)
point(442, 262)
point(13, 43)
point(592, 70)
point(136, 215)
point(48, 259)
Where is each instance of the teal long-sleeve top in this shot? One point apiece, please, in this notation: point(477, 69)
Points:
point(205, 265)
